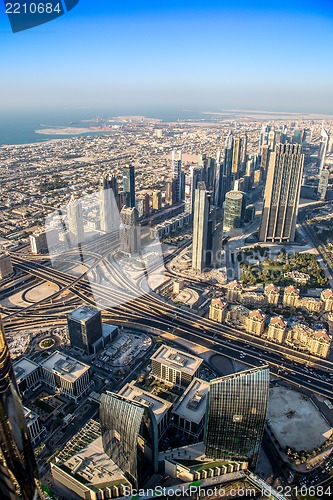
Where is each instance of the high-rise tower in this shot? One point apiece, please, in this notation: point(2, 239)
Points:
point(129, 185)
point(176, 172)
point(130, 234)
point(282, 193)
point(75, 221)
point(237, 409)
point(200, 228)
point(109, 203)
point(16, 451)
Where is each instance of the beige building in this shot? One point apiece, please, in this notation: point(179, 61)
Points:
point(316, 342)
point(277, 329)
point(237, 316)
point(175, 367)
point(252, 299)
point(218, 310)
point(311, 304)
point(6, 267)
point(320, 343)
point(255, 322)
point(234, 291)
point(327, 298)
point(272, 294)
point(290, 296)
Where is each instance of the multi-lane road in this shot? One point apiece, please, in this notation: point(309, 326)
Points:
point(150, 310)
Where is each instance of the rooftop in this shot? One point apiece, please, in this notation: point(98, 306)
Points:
point(23, 367)
point(177, 359)
point(192, 405)
point(278, 321)
point(84, 313)
point(157, 405)
point(68, 368)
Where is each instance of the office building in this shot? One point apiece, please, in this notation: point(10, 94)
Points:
point(237, 409)
point(324, 177)
point(75, 221)
point(130, 232)
point(35, 428)
point(323, 147)
point(130, 437)
point(66, 375)
point(225, 170)
point(175, 367)
point(189, 413)
point(160, 407)
point(16, 452)
point(200, 229)
point(277, 329)
point(6, 266)
point(282, 193)
point(27, 374)
point(168, 193)
point(85, 328)
point(196, 176)
point(176, 175)
point(234, 209)
point(129, 185)
point(157, 200)
point(43, 241)
point(84, 470)
point(109, 203)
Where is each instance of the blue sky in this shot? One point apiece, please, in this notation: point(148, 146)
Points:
point(178, 54)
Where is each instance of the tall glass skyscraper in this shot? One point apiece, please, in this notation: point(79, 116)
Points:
point(282, 193)
point(130, 437)
point(129, 184)
point(16, 452)
point(109, 203)
point(237, 408)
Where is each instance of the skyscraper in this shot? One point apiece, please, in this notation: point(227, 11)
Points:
point(234, 208)
point(323, 147)
point(16, 451)
point(200, 228)
point(225, 171)
point(75, 221)
point(282, 193)
point(84, 328)
point(196, 177)
point(237, 409)
point(109, 203)
point(130, 437)
point(129, 185)
point(176, 172)
point(130, 234)
point(323, 182)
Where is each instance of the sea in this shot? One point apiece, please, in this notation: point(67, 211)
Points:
point(19, 127)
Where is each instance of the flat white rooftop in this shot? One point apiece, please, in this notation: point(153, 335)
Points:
point(192, 405)
point(158, 405)
point(23, 367)
point(68, 368)
point(84, 313)
point(177, 359)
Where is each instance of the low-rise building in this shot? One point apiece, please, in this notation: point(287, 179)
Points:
point(304, 338)
point(175, 367)
point(255, 322)
point(272, 294)
point(28, 374)
point(327, 298)
point(237, 316)
point(67, 375)
point(291, 296)
point(277, 329)
point(218, 310)
point(190, 411)
point(253, 299)
point(234, 291)
point(311, 304)
point(320, 343)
